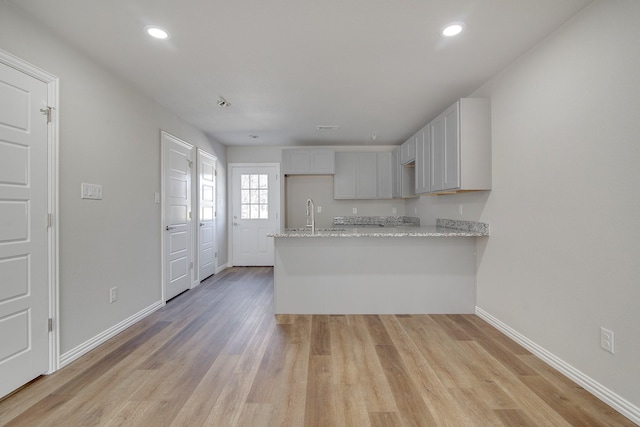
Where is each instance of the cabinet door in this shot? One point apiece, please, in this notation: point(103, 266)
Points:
point(423, 160)
point(384, 175)
point(396, 174)
point(344, 181)
point(408, 150)
point(451, 148)
point(438, 151)
point(366, 175)
point(296, 161)
point(322, 162)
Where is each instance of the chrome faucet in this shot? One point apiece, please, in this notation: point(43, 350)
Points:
point(313, 215)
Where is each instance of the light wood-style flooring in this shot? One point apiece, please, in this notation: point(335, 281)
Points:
point(216, 355)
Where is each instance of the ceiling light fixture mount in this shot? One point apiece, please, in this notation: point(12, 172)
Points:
point(223, 103)
point(328, 127)
point(453, 29)
point(156, 32)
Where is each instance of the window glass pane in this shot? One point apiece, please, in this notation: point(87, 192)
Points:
point(246, 214)
point(264, 181)
point(245, 196)
point(255, 212)
point(254, 181)
point(244, 181)
point(264, 197)
point(264, 212)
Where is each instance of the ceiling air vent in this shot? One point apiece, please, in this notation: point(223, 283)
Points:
point(327, 127)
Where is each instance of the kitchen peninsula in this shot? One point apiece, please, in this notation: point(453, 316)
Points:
point(378, 270)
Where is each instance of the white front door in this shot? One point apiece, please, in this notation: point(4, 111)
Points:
point(24, 281)
point(255, 212)
point(178, 257)
point(207, 245)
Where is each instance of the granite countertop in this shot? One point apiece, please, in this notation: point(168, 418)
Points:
point(443, 228)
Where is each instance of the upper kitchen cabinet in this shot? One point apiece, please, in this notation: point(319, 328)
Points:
point(455, 151)
point(308, 161)
point(423, 161)
point(402, 178)
point(362, 175)
point(408, 151)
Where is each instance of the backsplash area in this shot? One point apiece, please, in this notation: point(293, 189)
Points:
point(381, 221)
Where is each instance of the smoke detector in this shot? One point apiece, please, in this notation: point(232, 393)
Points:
point(223, 103)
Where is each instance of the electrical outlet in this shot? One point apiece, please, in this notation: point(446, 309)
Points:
point(460, 209)
point(606, 340)
point(355, 210)
point(394, 211)
point(113, 295)
point(319, 209)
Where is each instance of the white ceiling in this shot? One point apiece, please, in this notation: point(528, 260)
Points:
point(287, 66)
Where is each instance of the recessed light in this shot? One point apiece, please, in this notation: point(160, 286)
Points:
point(157, 32)
point(453, 29)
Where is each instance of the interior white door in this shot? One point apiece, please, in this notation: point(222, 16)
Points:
point(255, 213)
point(178, 256)
point(24, 288)
point(206, 215)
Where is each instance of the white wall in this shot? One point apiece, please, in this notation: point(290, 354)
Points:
point(109, 135)
point(563, 256)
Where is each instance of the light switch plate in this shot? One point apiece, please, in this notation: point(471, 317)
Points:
point(91, 191)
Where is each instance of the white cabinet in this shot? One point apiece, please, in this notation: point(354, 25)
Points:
point(423, 161)
point(312, 161)
point(403, 178)
point(362, 175)
point(454, 153)
point(384, 175)
point(408, 151)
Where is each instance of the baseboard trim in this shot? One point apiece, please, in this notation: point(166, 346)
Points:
point(621, 405)
point(221, 268)
point(89, 345)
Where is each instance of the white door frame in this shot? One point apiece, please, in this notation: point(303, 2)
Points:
point(230, 189)
point(163, 137)
point(52, 83)
point(199, 154)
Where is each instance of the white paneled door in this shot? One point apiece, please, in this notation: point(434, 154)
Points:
point(177, 241)
point(206, 215)
point(24, 280)
point(255, 213)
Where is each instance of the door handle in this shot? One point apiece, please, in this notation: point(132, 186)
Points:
point(235, 223)
point(202, 224)
point(169, 227)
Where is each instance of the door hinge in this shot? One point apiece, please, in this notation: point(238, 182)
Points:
point(47, 111)
point(191, 266)
point(50, 325)
point(49, 220)
point(190, 163)
point(189, 215)
point(215, 255)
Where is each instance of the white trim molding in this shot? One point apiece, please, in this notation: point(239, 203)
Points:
point(621, 405)
point(101, 338)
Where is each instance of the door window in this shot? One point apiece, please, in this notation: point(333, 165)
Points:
point(254, 196)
